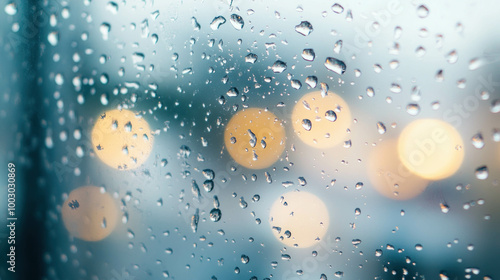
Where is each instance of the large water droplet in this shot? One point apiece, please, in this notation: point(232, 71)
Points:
point(237, 21)
point(422, 11)
point(305, 28)
point(477, 140)
point(279, 66)
point(495, 106)
point(10, 9)
point(215, 215)
point(217, 22)
point(312, 81)
point(308, 54)
point(413, 109)
point(381, 128)
point(482, 172)
point(335, 65)
point(331, 115)
point(337, 8)
point(306, 124)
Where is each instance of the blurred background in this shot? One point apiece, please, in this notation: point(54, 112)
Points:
point(138, 154)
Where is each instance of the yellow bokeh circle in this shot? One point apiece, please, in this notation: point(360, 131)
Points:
point(90, 214)
point(255, 138)
point(121, 139)
point(430, 148)
point(299, 219)
point(389, 176)
point(321, 121)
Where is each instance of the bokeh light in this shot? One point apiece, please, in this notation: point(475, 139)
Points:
point(432, 149)
point(389, 176)
point(90, 214)
point(321, 122)
point(299, 219)
point(121, 139)
point(255, 138)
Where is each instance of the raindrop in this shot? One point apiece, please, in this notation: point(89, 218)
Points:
point(105, 28)
point(296, 84)
point(477, 140)
point(495, 106)
point(279, 66)
point(482, 172)
point(208, 185)
point(53, 38)
point(444, 207)
point(312, 81)
point(359, 185)
point(475, 63)
point(251, 58)
point(422, 11)
point(233, 92)
point(331, 115)
point(306, 124)
point(419, 247)
point(370, 92)
point(308, 54)
point(357, 212)
point(304, 28)
point(378, 253)
point(215, 215)
point(337, 8)
point(413, 109)
point(237, 21)
point(337, 47)
point(217, 22)
point(11, 9)
point(381, 128)
point(245, 259)
point(452, 56)
point(112, 7)
point(335, 65)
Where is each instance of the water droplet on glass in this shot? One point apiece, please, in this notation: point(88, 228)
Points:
point(335, 65)
point(331, 115)
point(232, 92)
point(495, 106)
point(475, 63)
point(305, 28)
point(378, 253)
point(482, 172)
point(279, 66)
point(422, 11)
point(217, 22)
point(337, 8)
point(11, 9)
point(452, 56)
point(251, 58)
point(413, 109)
point(337, 47)
point(306, 124)
point(419, 247)
point(53, 38)
point(477, 140)
point(370, 92)
point(104, 29)
point(444, 207)
point(308, 54)
point(381, 128)
point(237, 21)
point(312, 81)
point(112, 7)
point(215, 215)
point(296, 84)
